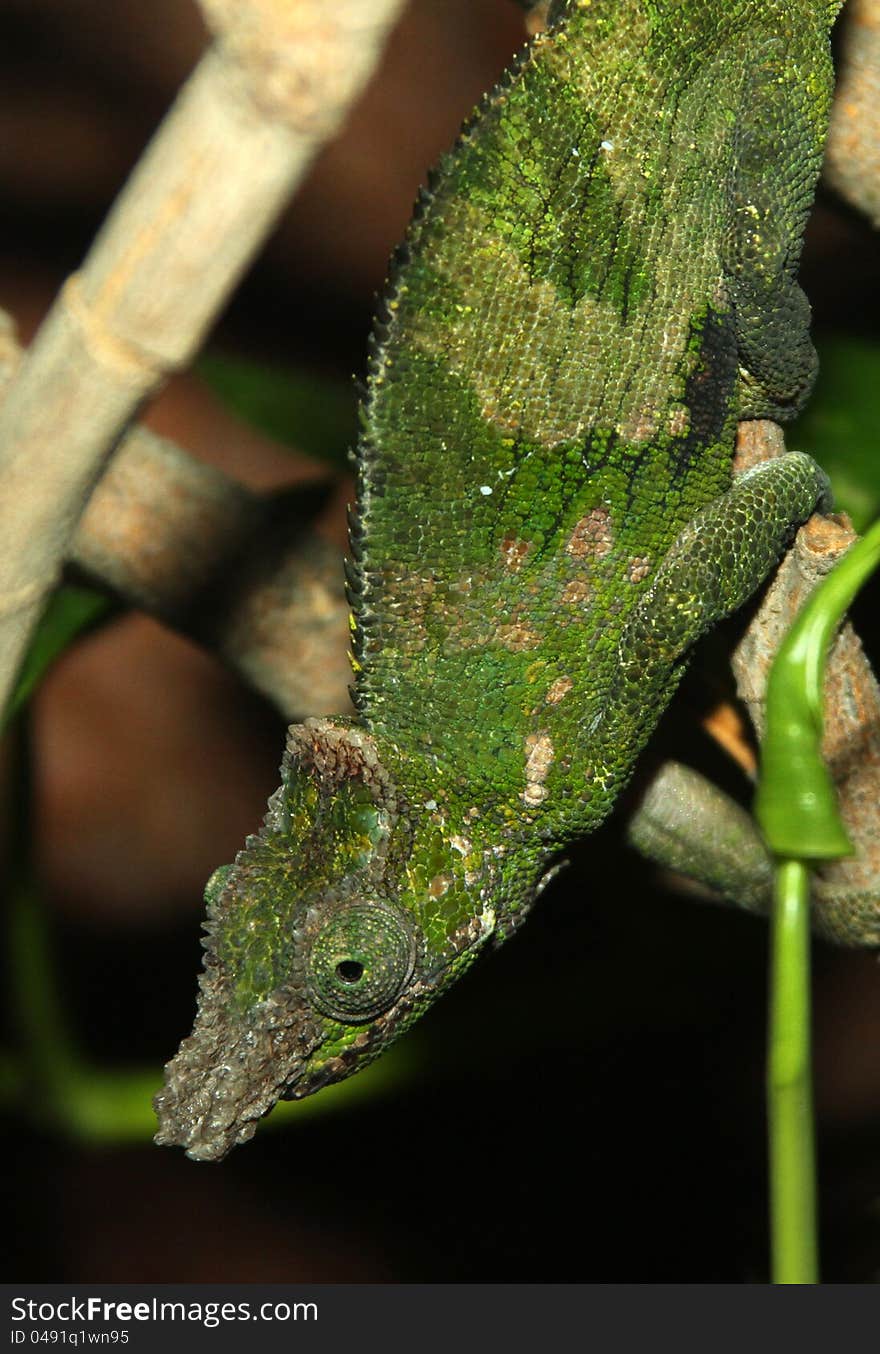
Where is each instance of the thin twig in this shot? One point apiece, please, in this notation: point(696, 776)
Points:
point(275, 84)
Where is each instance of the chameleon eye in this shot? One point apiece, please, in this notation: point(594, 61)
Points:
point(360, 962)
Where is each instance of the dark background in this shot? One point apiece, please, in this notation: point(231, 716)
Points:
point(587, 1105)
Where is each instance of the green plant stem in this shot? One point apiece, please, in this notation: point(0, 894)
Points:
point(71, 611)
point(49, 1055)
point(796, 803)
point(796, 807)
point(789, 1084)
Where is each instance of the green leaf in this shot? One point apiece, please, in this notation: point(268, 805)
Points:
point(841, 426)
point(71, 610)
point(314, 414)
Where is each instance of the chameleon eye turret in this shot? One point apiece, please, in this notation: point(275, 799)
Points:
point(360, 961)
point(600, 282)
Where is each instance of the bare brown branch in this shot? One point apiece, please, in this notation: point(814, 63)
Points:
point(687, 825)
point(241, 573)
point(852, 154)
point(847, 892)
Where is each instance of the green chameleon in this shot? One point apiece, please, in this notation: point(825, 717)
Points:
point(599, 282)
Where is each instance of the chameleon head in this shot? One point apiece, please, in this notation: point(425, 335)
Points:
point(328, 935)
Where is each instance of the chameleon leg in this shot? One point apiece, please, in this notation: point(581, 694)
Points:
point(711, 569)
point(721, 557)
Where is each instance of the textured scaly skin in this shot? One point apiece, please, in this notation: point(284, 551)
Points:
point(598, 285)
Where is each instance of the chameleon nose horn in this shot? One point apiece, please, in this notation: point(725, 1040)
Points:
point(216, 1091)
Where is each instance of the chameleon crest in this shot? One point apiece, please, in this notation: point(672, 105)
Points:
point(599, 282)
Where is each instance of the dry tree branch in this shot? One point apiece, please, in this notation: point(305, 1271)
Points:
point(852, 154)
point(847, 892)
point(687, 825)
point(274, 85)
point(241, 573)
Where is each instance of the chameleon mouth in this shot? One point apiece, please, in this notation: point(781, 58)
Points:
point(217, 1087)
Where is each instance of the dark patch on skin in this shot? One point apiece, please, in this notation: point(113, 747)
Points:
point(577, 592)
point(540, 755)
point(679, 421)
point(559, 690)
point(708, 387)
point(337, 754)
point(514, 552)
point(440, 885)
point(517, 637)
point(592, 537)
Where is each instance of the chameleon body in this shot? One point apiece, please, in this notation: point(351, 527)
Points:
point(599, 282)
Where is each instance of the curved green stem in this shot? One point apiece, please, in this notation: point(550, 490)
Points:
point(796, 808)
point(789, 1083)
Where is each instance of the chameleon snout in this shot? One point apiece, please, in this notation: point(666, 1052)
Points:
point(219, 1086)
